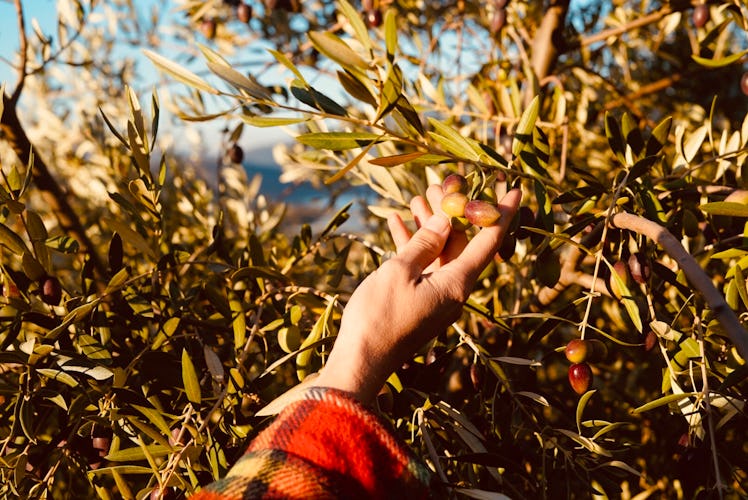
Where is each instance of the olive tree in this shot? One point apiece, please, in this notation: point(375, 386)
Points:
point(148, 332)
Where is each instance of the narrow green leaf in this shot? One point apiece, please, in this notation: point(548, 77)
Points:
point(121, 469)
point(58, 375)
point(118, 280)
point(725, 208)
point(272, 121)
point(718, 63)
point(96, 372)
point(580, 407)
point(512, 360)
point(355, 161)
point(189, 379)
point(12, 241)
point(155, 417)
point(238, 320)
point(303, 359)
point(112, 129)
point(523, 133)
point(92, 348)
point(336, 49)
point(317, 100)
point(338, 140)
point(694, 142)
point(356, 88)
point(452, 140)
point(394, 160)
point(137, 454)
point(35, 225)
point(241, 82)
point(659, 136)
point(664, 400)
point(408, 112)
point(178, 72)
point(390, 33)
point(391, 91)
point(628, 301)
point(359, 28)
point(585, 442)
point(285, 61)
point(615, 138)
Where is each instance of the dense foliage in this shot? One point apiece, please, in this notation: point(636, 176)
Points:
point(150, 315)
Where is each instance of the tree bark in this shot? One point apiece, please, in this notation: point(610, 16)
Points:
point(548, 42)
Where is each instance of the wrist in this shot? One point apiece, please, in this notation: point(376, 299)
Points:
point(361, 382)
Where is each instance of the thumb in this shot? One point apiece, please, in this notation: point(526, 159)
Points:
point(426, 244)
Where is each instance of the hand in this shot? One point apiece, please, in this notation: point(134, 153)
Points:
point(411, 297)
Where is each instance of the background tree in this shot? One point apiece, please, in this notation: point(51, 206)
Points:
point(149, 316)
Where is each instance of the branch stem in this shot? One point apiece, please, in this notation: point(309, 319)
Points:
point(696, 276)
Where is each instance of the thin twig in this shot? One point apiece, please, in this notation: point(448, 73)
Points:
point(23, 52)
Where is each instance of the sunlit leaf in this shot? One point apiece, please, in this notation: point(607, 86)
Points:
point(178, 72)
point(189, 379)
point(664, 400)
point(719, 63)
point(338, 140)
point(336, 49)
point(394, 160)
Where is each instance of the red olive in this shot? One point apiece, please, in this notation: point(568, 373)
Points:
point(481, 213)
point(497, 21)
point(244, 12)
point(374, 18)
point(208, 28)
point(650, 340)
point(51, 291)
point(700, 15)
point(639, 267)
point(476, 375)
point(744, 83)
point(580, 377)
point(455, 183)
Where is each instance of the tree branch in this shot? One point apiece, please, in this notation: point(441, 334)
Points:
point(696, 276)
point(548, 42)
point(13, 132)
point(23, 52)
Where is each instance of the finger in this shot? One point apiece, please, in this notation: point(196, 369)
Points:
point(425, 245)
point(399, 231)
point(434, 194)
point(484, 245)
point(421, 210)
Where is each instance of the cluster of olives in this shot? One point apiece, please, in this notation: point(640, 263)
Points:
point(464, 211)
point(580, 354)
point(637, 266)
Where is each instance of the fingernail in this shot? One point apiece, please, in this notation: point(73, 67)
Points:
point(437, 223)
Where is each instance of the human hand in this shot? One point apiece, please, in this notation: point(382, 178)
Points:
point(411, 297)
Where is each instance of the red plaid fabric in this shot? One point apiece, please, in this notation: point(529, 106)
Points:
point(325, 445)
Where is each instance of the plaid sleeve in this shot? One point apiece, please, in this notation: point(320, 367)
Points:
point(324, 445)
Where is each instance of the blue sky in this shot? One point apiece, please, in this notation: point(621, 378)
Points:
point(45, 13)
